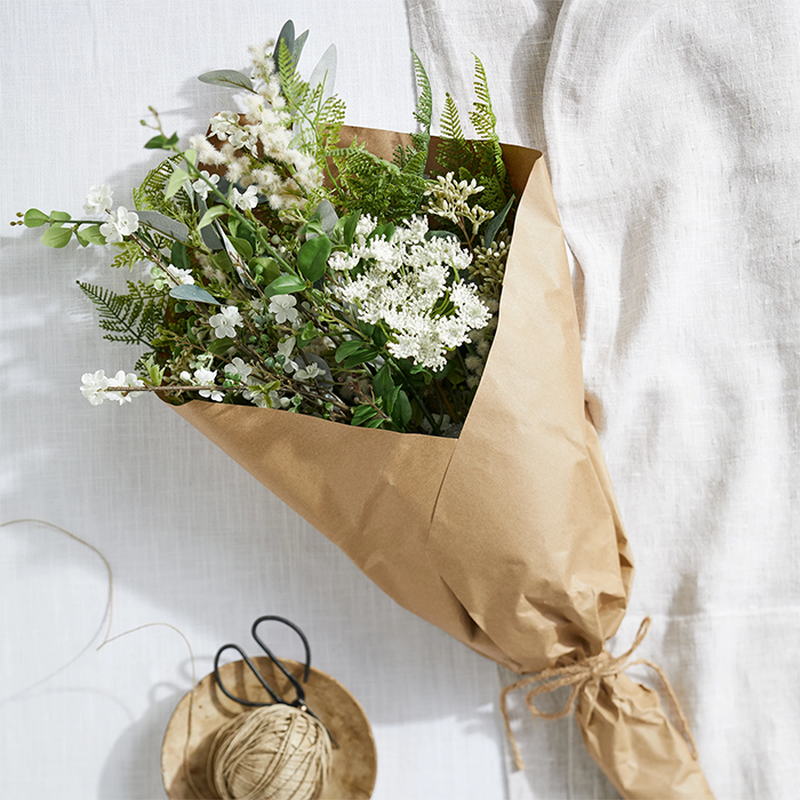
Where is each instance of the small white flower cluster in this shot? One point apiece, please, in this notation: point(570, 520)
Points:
point(169, 277)
point(450, 200)
point(201, 187)
point(257, 150)
point(119, 224)
point(95, 386)
point(411, 284)
point(225, 323)
point(203, 376)
point(283, 308)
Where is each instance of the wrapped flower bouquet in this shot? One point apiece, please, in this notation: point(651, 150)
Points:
point(347, 314)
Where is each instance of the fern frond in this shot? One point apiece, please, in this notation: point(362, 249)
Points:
point(451, 120)
point(150, 194)
point(130, 253)
point(423, 113)
point(294, 88)
point(454, 152)
point(378, 187)
point(484, 120)
point(131, 318)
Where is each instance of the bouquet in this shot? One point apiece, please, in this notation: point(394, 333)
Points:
point(316, 290)
point(289, 267)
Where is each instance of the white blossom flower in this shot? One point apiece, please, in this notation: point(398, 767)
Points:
point(309, 372)
point(278, 401)
point(121, 380)
point(201, 188)
point(203, 377)
point(238, 367)
point(285, 349)
point(98, 200)
point(182, 276)
point(246, 199)
point(282, 307)
point(120, 225)
point(94, 386)
point(226, 322)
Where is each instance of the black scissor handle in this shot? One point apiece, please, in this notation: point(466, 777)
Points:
point(259, 677)
point(276, 661)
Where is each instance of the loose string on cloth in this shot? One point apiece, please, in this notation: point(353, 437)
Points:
point(588, 673)
point(109, 613)
point(291, 758)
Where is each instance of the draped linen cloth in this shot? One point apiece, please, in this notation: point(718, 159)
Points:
point(671, 131)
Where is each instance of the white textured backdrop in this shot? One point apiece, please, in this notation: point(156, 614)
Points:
point(193, 540)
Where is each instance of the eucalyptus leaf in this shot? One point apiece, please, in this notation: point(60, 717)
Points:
point(164, 224)
point(299, 43)
point(287, 37)
point(327, 216)
point(196, 294)
point(325, 73)
point(60, 216)
point(211, 214)
point(34, 218)
point(56, 236)
point(227, 77)
point(176, 182)
point(90, 235)
point(495, 223)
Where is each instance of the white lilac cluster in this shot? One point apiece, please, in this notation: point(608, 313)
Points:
point(411, 284)
point(95, 386)
point(256, 147)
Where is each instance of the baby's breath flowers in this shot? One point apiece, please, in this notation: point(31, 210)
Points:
point(285, 271)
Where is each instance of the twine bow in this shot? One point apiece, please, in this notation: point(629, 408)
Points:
point(588, 673)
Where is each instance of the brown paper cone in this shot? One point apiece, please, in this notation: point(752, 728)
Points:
point(508, 538)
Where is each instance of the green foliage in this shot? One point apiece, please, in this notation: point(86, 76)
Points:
point(319, 114)
point(383, 189)
point(130, 253)
point(132, 318)
point(413, 159)
point(150, 194)
point(480, 158)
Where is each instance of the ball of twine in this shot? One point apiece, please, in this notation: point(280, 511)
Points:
point(276, 752)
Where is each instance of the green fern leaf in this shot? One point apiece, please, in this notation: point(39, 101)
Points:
point(132, 318)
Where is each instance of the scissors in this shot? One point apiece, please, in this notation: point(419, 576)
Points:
point(299, 701)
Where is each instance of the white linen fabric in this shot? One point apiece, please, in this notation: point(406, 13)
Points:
point(192, 539)
point(671, 130)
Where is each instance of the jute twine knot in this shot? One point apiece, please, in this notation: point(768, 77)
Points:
point(588, 673)
point(277, 752)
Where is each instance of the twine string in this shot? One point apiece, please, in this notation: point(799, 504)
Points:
point(588, 673)
point(276, 751)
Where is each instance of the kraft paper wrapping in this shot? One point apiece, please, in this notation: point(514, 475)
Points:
point(508, 538)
